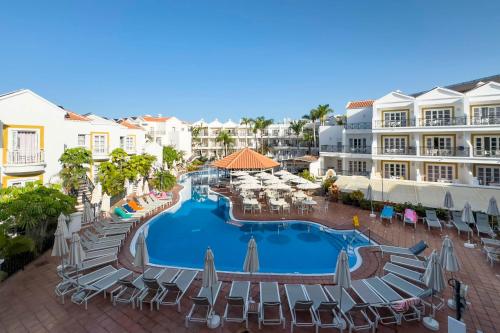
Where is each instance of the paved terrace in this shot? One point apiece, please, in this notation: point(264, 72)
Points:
point(28, 303)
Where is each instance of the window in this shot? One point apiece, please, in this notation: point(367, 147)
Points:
point(357, 167)
point(394, 145)
point(395, 118)
point(20, 182)
point(127, 143)
point(339, 165)
point(437, 117)
point(487, 146)
point(395, 170)
point(24, 147)
point(486, 115)
point(440, 172)
point(99, 144)
point(438, 145)
point(488, 175)
point(81, 140)
point(357, 145)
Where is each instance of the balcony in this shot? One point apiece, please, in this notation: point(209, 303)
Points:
point(479, 121)
point(394, 123)
point(446, 121)
point(156, 133)
point(396, 151)
point(445, 152)
point(129, 150)
point(20, 162)
point(358, 126)
point(346, 149)
point(494, 153)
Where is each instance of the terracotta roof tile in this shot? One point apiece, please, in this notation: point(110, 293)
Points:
point(245, 159)
point(360, 104)
point(75, 116)
point(157, 119)
point(129, 125)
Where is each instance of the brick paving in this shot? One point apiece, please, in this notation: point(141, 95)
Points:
point(28, 302)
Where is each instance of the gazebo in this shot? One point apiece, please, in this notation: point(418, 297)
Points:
point(245, 159)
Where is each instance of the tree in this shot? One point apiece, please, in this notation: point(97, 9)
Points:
point(142, 164)
point(296, 126)
point(163, 180)
point(312, 117)
point(195, 135)
point(226, 139)
point(36, 210)
point(170, 156)
point(308, 138)
point(74, 161)
point(246, 121)
point(322, 111)
point(260, 125)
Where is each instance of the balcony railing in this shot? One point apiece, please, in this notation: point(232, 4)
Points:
point(100, 151)
point(394, 123)
point(487, 152)
point(396, 150)
point(451, 151)
point(447, 121)
point(354, 126)
point(485, 120)
point(22, 158)
point(346, 149)
point(347, 172)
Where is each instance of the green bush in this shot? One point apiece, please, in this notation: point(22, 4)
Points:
point(328, 182)
point(163, 180)
point(356, 197)
point(307, 175)
point(3, 275)
point(346, 198)
point(365, 204)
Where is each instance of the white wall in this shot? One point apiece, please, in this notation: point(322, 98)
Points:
point(330, 135)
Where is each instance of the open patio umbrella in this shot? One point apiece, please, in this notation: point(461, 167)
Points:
point(263, 174)
point(468, 217)
point(272, 181)
point(249, 181)
point(63, 225)
point(434, 279)
point(493, 209)
point(138, 190)
point(308, 186)
point(76, 254)
point(448, 203)
point(105, 203)
point(209, 279)
point(145, 188)
point(250, 186)
point(282, 173)
point(449, 261)
point(342, 275)
point(299, 180)
point(141, 257)
point(281, 187)
point(60, 248)
point(289, 177)
point(369, 196)
point(239, 173)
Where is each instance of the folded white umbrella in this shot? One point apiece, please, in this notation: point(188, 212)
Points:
point(88, 213)
point(251, 264)
point(209, 276)
point(493, 207)
point(106, 203)
point(76, 253)
point(447, 257)
point(145, 188)
point(60, 248)
point(467, 215)
point(342, 275)
point(308, 186)
point(448, 200)
point(434, 279)
point(63, 225)
point(138, 190)
point(96, 194)
point(141, 258)
point(127, 186)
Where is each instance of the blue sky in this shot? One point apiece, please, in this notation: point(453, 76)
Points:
point(228, 59)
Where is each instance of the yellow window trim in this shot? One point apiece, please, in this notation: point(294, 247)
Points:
point(5, 133)
point(454, 165)
point(5, 179)
point(92, 139)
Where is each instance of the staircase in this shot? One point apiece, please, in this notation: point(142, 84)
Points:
point(84, 191)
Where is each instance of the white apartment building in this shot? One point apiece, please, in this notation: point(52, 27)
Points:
point(447, 134)
point(35, 132)
point(166, 131)
point(282, 143)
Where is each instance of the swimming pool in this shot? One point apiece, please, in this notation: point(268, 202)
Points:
point(180, 236)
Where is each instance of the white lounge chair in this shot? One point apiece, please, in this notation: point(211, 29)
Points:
point(432, 220)
point(325, 311)
point(299, 302)
point(382, 310)
point(153, 287)
point(237, 303)
point(172, 291)
point(408, 262)
point(404, 272)
point(203, 304)
point(130, 289)
point(270, 302)
point(413, 251)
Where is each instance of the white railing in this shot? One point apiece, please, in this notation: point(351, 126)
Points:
point(17, 157)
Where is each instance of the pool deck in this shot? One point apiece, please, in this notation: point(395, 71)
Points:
point(28, 303)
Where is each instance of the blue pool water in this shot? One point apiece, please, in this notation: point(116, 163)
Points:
point(180, 238)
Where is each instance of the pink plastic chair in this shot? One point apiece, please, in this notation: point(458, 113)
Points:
point(410, 217)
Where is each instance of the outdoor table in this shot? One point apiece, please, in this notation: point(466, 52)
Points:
point(309, 203)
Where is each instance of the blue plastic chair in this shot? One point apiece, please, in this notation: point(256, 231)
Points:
point(387, 213)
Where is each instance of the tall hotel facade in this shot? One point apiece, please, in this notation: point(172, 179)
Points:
point(447, 134)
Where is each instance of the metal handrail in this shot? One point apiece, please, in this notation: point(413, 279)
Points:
point(19, 157)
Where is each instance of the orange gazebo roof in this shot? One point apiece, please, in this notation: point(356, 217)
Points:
point(245, 159)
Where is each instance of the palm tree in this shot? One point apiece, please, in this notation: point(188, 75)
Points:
point(226, 139)
point(261, 124)
point(246, 121)
point(322, 111)
point(308, 138)
point(296, 126)
point(312, 117)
